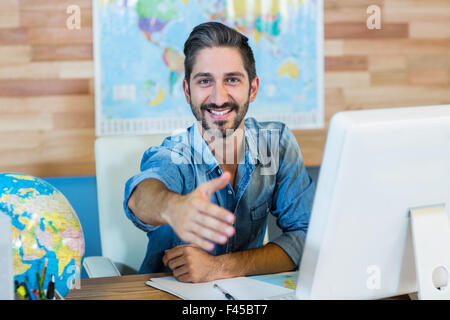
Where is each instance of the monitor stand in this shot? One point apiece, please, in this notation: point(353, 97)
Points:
point(431, 240)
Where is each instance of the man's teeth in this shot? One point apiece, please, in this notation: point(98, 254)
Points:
point(220, 112)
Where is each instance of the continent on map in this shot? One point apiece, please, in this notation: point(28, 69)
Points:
point(290, 284)
point(175, 61)
point(19, 266)
point(58, 225)
point(158, 99)
point(290, 69)
point(154, 15)
point(154, 93)
point(18, 176)
point(30, 250)
point(258, 20)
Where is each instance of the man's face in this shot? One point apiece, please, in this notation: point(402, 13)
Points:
point(219, 91)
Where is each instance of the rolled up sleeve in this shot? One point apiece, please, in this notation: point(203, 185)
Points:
point(293, 198)
point(163, 164)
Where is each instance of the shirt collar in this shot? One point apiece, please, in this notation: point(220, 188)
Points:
point(251, 142)
point(203, 155)
point(201, 152)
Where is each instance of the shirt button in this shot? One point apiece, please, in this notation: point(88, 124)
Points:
point(230, 192)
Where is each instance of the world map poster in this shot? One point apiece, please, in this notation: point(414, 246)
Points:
point(139, 60)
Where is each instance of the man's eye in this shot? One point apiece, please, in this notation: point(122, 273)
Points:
point(204, 81)
point(233, 80)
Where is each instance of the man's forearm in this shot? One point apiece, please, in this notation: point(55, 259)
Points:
point(149, 200)
point(264, 260)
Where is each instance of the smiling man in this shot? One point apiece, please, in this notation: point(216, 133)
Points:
point(203, 196)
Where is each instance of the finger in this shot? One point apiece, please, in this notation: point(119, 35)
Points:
point(218, 227)
point(215, 211)
point(176, 263)
point(189, 236)
point(182, 274)
point(216, 184)
point(183, 269)
point(172, 253)
point(199, 241)
point(209, 234)
point(166, 259)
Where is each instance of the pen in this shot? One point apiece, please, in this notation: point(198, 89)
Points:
point(41, 292)
point(43, 272)
point(226, 294)
point(51, 289)
point(30, 293)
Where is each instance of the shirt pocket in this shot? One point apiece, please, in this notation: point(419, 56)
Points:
point(258, 216)
point(259, 211)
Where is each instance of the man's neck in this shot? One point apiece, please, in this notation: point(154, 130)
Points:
point(229, 151)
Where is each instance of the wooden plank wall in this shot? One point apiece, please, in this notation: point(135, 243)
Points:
point(46, 75)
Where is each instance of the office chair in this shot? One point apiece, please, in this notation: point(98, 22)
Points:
point(117, 158)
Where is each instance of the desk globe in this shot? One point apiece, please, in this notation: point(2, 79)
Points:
point(44, 226)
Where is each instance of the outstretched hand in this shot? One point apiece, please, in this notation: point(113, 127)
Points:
point(198, 221)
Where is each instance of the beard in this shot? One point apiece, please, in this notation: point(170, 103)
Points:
point(221, 130)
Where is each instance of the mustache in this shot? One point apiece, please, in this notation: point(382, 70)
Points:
point(232, 105)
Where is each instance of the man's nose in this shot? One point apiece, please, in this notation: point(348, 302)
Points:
point(219, 95)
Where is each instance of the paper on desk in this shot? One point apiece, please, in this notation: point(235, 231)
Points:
point(240, 288)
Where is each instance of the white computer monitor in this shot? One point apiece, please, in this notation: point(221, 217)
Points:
point(378, 165)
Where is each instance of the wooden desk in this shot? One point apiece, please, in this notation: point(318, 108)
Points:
point(131, 287)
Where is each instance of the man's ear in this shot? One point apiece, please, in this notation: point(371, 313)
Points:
point(254, 87)
point(187, 92)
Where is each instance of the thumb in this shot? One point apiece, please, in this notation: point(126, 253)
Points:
point(211, 186)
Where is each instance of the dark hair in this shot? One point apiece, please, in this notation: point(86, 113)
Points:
point(216, 34)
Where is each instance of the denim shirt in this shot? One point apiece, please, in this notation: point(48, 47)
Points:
point(271, 178)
